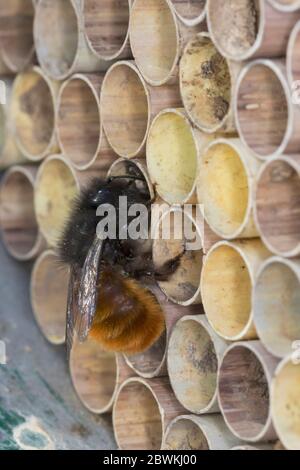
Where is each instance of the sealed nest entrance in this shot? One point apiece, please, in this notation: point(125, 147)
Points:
point(184, 434)
point(193, 366)
point(205, 82)
point(244, 393)
point(34, 113)
point(235, 26)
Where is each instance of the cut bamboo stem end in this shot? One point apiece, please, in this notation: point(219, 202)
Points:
point(55, 191)
point(227, 282)
point(189, 11)
point(257, 447)
point(190, 432)
point(276, 300)
point(157, 39)
point(246, 29)
point(97, 375)
point(207, 84)
point(178, 233)
point(173, 153)
point(61, 44)
point(142, 411)
point(285, 391)
point(49, 294)
point(266, 118)
point(194, 356)
point(107, 28)
point(293, 55)
point(286, 5)
point(33, 114)
point(225, 188)
point(20, 232)
point(79, 125)
point(10, 154)
point(277, 205)
point(16, 25)
point(244, 383)
point(153, 362)
point(128, 106)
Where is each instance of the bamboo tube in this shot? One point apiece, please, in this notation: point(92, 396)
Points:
point(16, 25)
point(190, 432)
point(157, 39)
point(178, 232)
point(244, 382)
point(190, 12)
point(227, 282)
point(10, 154)
point(49, 294)
point(293, 55)
point(33, 114)
point(60, 41)
point(207, 84)
point(97, 375)
point(79, 124)
point(244, 29)
point(286, 5)
point(225, 188)
point(20, 232)
point(142, 411)
point(257, 447)
point(107, 27)
point(277, 205)
point(153, 362)
point(194, 356)
point(285, 404)
point(276, 300)
point(173, 152)
point(266, 118)
point(128, 106)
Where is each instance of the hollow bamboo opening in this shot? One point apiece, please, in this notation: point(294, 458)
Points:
point(177, 234)
point(224, 189)
point(79, 123)
point(205, 84)
point(244, 393)
point(138, 420)
point(125, 109)
point(286, 5)
point(16, 26)
point(278, 192)
point(33, 114)
point(285, 394)
point(172, 157)
point(18, 220)
point(263, 112)
point(276, 303)
point(226, 289)
point(55, 191)
point(190, 12)
point(185, 434)
point(107, 26)
point(193, 365)
point(154, 39)
point(293, 55)
point(94, 375)
point(49, 294)
point(56, 33)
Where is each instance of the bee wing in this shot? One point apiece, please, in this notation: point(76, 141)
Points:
point(88, 291)
point(72, 306)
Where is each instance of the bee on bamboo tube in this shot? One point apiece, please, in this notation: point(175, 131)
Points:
point(107, 298)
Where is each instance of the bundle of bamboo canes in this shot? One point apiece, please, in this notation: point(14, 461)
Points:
point(163, 85)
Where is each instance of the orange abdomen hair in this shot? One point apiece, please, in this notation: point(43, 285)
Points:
point(129, 319)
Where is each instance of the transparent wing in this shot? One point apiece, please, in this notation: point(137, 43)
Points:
point(72, 306)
